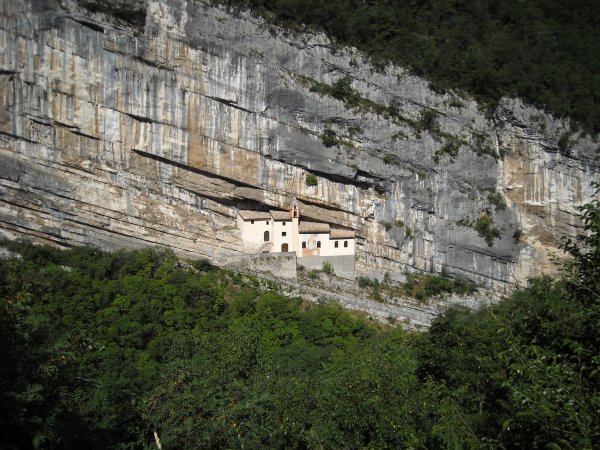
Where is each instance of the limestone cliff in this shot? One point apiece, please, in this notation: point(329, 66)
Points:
point(123, 137)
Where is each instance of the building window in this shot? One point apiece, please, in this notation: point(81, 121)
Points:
point(345, 243)
point(283, 233)
point(267, 222)
point(303, 244)
point(284, 222)
point(318, 244)
point(337, 244)
point(252, 222)
point(267, 236)
point(284, 248)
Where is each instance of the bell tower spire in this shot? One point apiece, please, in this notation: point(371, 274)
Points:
point(295, 215)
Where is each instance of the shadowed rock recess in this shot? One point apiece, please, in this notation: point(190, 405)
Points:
point(119, 134)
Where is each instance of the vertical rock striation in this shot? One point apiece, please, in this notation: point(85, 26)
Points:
point(118, 137)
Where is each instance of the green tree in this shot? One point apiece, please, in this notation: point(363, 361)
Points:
point(311, 180)
point(329, 137)
point(523, 373)
point(544, 51)
point(342, 90)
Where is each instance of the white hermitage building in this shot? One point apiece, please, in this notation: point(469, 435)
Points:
point(283, 231)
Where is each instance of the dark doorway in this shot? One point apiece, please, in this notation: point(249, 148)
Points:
point(284, 248)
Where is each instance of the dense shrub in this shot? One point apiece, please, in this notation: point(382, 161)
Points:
point(329, 137)
point(542, 51)
point(102, 350)
point(131, 11)
point(484, 225)
point(311, 180)
point(328, 268)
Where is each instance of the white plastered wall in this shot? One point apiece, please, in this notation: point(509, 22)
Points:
point(341, 250)
point(280, 227)
point(254, 232)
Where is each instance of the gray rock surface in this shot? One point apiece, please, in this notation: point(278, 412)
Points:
point(118, 137)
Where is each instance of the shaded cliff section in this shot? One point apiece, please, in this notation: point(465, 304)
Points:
point(122, 135)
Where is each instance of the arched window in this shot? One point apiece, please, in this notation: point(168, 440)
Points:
point(267, 236)
point(345, 243)
point(303, 244)
point(318, 244)
point(337, 244)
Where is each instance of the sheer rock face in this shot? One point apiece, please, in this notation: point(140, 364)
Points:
point(121, 138)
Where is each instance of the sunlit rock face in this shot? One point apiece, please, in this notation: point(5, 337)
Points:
point(121, 137)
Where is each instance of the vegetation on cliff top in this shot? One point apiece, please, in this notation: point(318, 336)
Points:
point(544, 51)
point(101, 350)
point(132, 12)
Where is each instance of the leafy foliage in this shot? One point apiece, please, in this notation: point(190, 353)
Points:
point(311, 180)
point(428, 120)
point(544, 51)
point(328, 268)
point(524, 373)
point(342, 90)
point(329, 138)
point(418, 286)
point(495, 198)
point(131, 11)
point(423, 287)
point(105, 348)
point(101, 350)
point(564, 141)
point(484, 225)
point(391, 159)
point(584, 271)
point(450, 148)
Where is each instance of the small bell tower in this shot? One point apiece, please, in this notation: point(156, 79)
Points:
point(294, 211)
point(295, 215)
